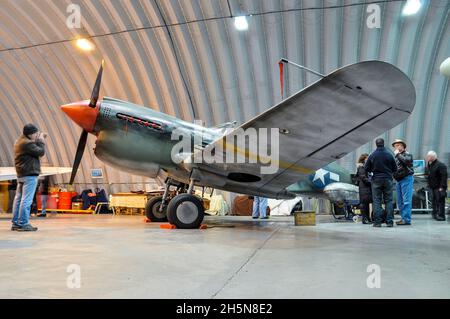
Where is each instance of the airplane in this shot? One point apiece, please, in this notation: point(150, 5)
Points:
point(315, 127)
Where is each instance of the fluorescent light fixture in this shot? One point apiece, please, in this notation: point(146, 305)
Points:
point(241, 23)
point(85, 44)
point(411, 7)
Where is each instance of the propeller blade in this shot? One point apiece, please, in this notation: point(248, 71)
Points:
point(96, 90)
point(79, 154)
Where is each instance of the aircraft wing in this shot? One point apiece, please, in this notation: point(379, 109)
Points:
point(318, 125)
point(9, 173)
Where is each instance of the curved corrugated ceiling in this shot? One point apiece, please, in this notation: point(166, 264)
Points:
point(227, 74)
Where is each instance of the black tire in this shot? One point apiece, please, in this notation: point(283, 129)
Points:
point(152, 210)
point(185, 211)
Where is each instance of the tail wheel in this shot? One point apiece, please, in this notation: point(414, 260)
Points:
point(185, 211)
point(152, 210)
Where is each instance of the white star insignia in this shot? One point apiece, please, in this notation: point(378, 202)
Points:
point(320, 174)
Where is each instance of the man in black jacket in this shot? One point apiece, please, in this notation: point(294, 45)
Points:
point(437, 181)
point(28, 150)
point(381, 164)
point(405, 181)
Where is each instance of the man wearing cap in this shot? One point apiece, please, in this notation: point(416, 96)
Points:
point(381, 164)
point(28, 150)
point(405, 180)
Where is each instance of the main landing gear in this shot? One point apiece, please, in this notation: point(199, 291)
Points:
point(153, 210)
point(184, 210)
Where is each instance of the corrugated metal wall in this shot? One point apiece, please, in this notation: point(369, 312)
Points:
point(230, 75)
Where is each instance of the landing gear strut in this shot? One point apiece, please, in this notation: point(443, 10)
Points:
point(155, 210)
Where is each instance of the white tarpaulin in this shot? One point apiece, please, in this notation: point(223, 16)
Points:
point(218, 206)
point(282, 207)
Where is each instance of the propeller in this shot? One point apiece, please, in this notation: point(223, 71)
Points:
point(79, 155)
point(84, 134)
point(96, 89)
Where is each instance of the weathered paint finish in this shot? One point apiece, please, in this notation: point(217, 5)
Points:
point(135, 148)
point(139, 149)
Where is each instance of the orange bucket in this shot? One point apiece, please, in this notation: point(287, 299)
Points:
point(65, 200)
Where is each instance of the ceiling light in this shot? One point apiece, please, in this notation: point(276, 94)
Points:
point(241, 23)
point(411, 7)
point(85, 44)
point(445, 68)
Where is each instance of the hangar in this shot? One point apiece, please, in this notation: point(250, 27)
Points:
point(165, 133)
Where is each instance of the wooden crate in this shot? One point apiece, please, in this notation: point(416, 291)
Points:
point(305, 218)
point(128, 200)
point(131, 203)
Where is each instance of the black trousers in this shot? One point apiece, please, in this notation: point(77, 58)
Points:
point(382, 192)
point(365, 209)
point(438, 202)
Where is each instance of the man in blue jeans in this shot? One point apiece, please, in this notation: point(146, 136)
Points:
point(381, 164)
point(259, 207)
point(405, 180)
point(28, 150)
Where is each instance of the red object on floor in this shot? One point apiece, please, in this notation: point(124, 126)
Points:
point(65, 200)
point(147, 220)
point(167, 226)
point(52, 200)
point(38, 201)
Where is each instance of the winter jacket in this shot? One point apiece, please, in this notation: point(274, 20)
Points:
point(404, 162)
point(381, 163)
point(437, 175)
point(27, 155)
point(365, 186)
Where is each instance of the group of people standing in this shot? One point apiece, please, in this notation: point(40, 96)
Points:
point(375, 175)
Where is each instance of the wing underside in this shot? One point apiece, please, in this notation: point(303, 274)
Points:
point(317, 125)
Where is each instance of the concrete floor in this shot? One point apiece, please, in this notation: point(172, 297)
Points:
point(123, 257)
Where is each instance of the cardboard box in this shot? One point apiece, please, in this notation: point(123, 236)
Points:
point(305, 218)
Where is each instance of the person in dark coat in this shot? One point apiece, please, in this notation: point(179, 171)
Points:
point(437, 181)
point(28, 150)
point(365, 189)
point(381, 164)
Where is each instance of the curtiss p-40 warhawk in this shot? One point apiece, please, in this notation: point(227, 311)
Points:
point(318, 125)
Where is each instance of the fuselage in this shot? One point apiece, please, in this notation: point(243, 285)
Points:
point(140, 140)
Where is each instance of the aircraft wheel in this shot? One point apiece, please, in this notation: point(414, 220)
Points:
point(185, 211)
point(152, 210)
